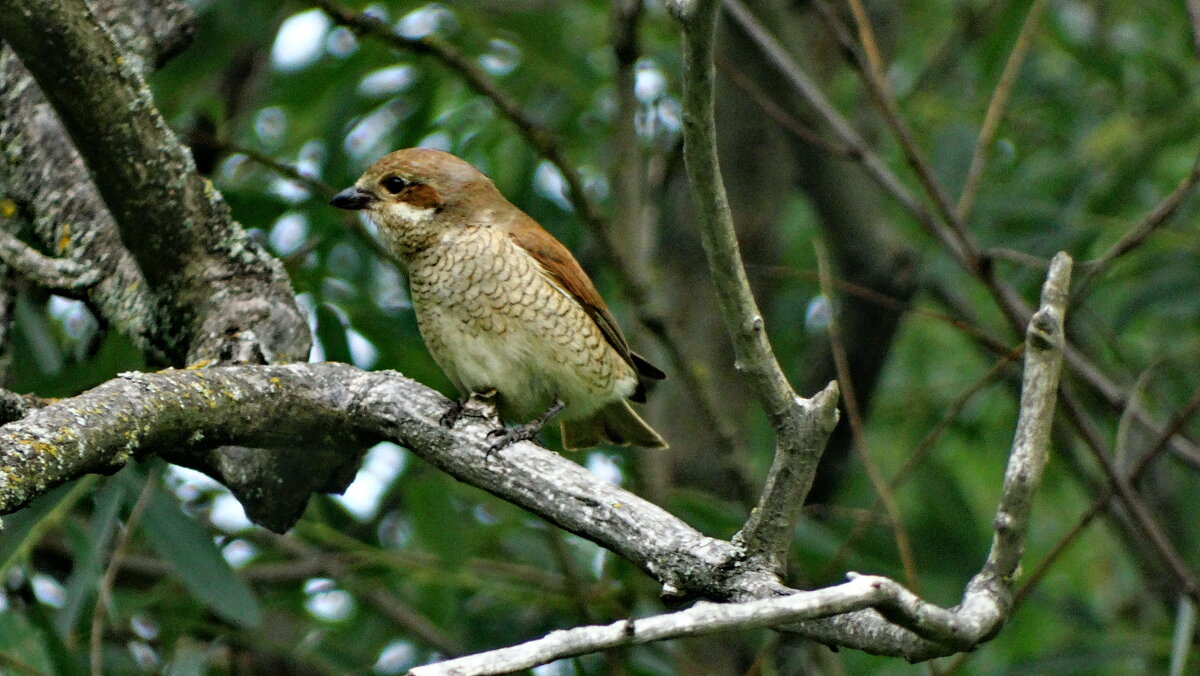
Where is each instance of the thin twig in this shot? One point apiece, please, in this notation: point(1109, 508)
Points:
point(776, 112)
point(1101, 501)
point(1136, 235)
point(63, 275)
point(882, 491)
point(701, 619)
point(315, 185)
point(17, 666)
point(1014, 256)
point(872, 71)
point(1147, 525)
point(995, 109)
point(869, 515)
point(401, 614)
point(803, 84)
point(96, 640)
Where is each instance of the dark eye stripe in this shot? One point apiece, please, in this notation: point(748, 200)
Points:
point(394, 184)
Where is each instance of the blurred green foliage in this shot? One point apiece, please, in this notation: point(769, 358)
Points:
point(1103, 123)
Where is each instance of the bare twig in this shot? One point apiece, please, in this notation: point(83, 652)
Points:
point(776, 112)
point(872, 71)
point(882, 490)
point(1019, 257)
point(62, 275)
point(1144, 228)
point(1148, 527)
point(401, 614)
point(768, 531)
point(800, 81)
point(704, 618)
point(995, 109)
point(1193, 8)
point(1031, 446)
point(95, 642)
point(17, 666)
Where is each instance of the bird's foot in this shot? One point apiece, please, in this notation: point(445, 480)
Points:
point(507, 437)
point(452, 414)
point(461, 407)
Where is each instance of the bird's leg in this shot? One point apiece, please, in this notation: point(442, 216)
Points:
point(525, 432)
point(453, 412)
point(458, 407)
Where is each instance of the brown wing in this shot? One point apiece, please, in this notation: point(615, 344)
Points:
point(562, 267)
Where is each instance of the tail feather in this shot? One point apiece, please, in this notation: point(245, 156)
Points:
point(616, 423)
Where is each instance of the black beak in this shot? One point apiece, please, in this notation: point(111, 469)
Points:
point(352, 198)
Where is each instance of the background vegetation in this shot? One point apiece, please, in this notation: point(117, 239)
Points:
point(1095, 129)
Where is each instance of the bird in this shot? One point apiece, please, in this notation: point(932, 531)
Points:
point(503, 306)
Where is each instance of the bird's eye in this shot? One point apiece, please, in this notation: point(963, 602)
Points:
point(393, 184)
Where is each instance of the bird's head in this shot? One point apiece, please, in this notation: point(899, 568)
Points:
point(414, 195)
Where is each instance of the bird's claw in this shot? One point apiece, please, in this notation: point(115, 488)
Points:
point(452, 414)
point(507, 437)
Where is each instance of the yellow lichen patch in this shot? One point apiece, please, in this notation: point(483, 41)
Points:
point(8, 208)
point(64, 238)
point(43, 448)
point(200, 364)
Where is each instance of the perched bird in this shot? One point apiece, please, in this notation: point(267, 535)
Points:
point(502, 305)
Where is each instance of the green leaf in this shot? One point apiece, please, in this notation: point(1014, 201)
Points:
point(24, 528)
point(90, 549)
point(331, 330)
point(197, 562)
point(189, 659)
point(22, 644)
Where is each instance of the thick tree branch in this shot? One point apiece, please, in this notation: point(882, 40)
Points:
point(217, 293)
point(184, 414)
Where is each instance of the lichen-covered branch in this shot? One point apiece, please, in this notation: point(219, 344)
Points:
point(214, 294)
point(184, 415)
point(43, 177)
point(57, 274)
